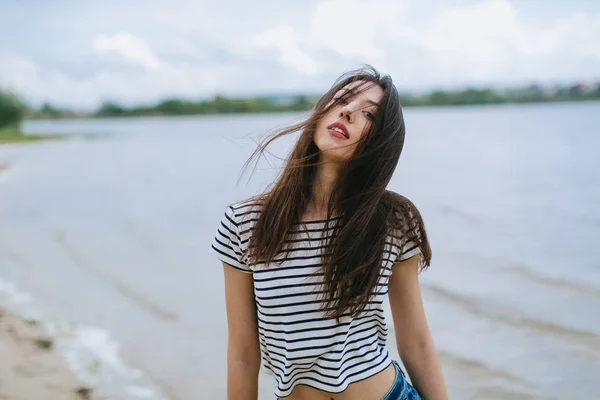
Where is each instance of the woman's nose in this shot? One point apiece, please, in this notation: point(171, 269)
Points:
point(347, 114)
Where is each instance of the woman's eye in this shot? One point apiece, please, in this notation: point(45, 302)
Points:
point(369, 115)
point(340, 100)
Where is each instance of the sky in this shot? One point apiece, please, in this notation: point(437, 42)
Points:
point(81, 53)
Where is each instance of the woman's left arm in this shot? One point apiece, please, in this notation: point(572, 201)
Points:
point(413, 338)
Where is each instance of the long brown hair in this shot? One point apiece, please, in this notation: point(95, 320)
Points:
point(369, 214)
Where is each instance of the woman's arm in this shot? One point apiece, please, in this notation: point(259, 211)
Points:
point(243, 351)
point(414, 341)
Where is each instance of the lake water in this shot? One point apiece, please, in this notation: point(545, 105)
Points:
point(112, 234)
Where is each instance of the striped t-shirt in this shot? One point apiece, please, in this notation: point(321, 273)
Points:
point(299, 345)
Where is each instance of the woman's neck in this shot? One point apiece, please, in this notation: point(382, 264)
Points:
point(321, 191)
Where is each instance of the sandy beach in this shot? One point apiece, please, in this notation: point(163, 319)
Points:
point(29, 368)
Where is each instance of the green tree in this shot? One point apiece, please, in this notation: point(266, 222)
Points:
point(439, 97)
point(175, 107)
point(49, 110)
point(596, 93)
point(300, 103)
point(12, 110)
point(110, 109)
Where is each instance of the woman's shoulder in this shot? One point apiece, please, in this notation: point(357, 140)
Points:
point(399, 204)
point(245, 210)
point(407, 227)
point(403, 217)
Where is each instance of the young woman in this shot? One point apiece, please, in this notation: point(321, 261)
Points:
point(309, 263)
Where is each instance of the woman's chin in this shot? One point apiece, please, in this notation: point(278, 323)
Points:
point(335, 154)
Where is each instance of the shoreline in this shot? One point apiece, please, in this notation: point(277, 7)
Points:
point(92, 116)
point(53, 359)
point(29, 367)
point(15, 135)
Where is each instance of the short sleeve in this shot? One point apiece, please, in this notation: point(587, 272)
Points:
point(409, 250)
point(227, 243)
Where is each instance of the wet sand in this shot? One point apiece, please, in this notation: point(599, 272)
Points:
point(29, 368)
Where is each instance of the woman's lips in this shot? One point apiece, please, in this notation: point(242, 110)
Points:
point(339, 130)
point(337, 134)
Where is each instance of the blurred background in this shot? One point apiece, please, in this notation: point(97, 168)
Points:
point(138, 117)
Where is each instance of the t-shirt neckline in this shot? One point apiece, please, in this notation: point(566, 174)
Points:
point(319, 221)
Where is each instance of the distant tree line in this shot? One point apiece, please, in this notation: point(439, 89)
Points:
point(529, 94)
point(229, 105)
point(174, 106)
point(218, 105)
point(12, 110)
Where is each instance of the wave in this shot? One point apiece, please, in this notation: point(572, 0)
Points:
point(524, 272)
point(473, 367)
point(135, 297)
point(589, 340)
point(476, 380)
point(465, 216)
point(558, 283)
point(503, 393)
point(4, 171)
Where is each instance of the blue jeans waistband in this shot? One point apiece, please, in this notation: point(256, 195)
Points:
point(401, 389)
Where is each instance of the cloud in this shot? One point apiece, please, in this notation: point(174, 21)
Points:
point(336, 28)
point(472, 43)
point(130, 48)
point(354, 27)
point(485, 42)
point(164, 51)
point(488, 42)
point(38, 84)
point(284, 40)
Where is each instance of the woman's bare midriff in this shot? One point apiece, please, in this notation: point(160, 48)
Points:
point(372, 388)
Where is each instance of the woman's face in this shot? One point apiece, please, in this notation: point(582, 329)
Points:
point(338, 132)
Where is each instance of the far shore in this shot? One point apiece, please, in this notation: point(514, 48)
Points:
point(17, 136)
point(123, 113)
point(14, 135)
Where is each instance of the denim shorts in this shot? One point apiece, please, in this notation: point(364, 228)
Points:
point(401, 389)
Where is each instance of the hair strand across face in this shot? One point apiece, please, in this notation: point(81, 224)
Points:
point(370, 215)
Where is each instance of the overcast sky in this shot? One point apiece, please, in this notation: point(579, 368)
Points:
point(79, 53)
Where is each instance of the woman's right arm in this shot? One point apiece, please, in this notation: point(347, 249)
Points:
point(243, 350)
